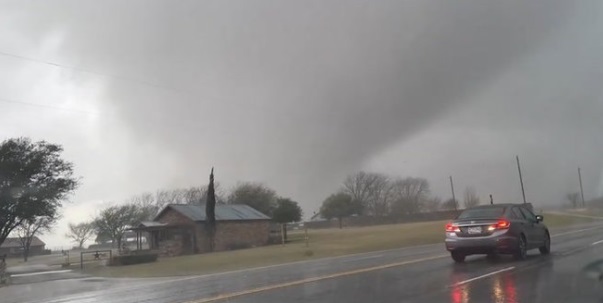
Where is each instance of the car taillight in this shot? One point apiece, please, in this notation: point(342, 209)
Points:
point(501, 224)
point(452, 228)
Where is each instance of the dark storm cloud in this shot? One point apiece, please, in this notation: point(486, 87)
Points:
point(296, 94)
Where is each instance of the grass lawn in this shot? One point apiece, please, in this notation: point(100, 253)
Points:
point(14, 261)
point(323, 243)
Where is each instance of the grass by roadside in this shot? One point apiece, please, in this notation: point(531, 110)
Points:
point(10, 262)
point(323, 243)
point(560, 220)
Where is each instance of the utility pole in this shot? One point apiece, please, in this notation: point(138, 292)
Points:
point(523, 192)
point(581, 190)
point(453, 198)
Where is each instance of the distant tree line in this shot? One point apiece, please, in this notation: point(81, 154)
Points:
point(378, 195)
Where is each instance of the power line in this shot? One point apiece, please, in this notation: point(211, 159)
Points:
point(47, 106)
point(92, 72)
point(140, 82)
point(82, 70)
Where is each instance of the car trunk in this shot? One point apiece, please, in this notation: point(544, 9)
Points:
point(475, 227)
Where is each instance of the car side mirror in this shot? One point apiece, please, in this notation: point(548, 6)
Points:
point(539, 218)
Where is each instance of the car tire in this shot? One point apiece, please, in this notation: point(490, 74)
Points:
point(546, 248)
point(521, 251)
point(457, 257)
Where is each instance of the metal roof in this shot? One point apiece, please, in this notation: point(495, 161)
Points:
point(150, 224)
point(230, 212)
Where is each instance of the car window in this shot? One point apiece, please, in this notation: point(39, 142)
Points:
point(528, 214)
point(491, 212)
point(517, 214)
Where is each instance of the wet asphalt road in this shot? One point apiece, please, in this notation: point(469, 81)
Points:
point(418, 274)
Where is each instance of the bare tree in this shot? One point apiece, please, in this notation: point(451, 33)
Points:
point(357, 187)
point(143, 199)
point(471, 198)
point(202, 194)
point(30, 228)
point(80, 233)
point(370, 190)
point(190, 195)
point(432, 204)
point(147, 206)
point(450, 204)
point(409, 195)
point(165, 197)
point(380, 196)
point(194, 194)
point(573, 198)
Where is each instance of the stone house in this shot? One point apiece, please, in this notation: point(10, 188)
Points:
point(179, 229)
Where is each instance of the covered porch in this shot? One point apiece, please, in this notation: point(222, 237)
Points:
point(167, 239)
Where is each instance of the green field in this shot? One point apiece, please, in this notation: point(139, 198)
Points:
point(322, 243)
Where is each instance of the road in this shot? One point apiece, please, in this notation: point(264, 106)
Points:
point(416, 274)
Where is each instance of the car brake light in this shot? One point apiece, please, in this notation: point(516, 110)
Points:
point(452, 228)
point(501, 224)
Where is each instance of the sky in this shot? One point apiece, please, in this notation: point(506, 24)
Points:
point(147, 95)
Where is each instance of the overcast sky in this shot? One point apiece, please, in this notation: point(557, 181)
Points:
point(145, 95)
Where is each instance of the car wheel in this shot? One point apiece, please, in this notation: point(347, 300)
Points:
point(457, 257)
point(546, 248)
point(522, 248)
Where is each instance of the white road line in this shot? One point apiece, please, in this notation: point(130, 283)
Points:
point(41, 273)
point(484, 276)
point(576, 231)
point(598, 242)
point(362, 258)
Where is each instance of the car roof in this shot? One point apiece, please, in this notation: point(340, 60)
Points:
point(498, 205)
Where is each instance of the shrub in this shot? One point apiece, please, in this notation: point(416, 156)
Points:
point(133, 259)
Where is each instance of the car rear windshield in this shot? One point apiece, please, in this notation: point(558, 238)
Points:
point(491, 212)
